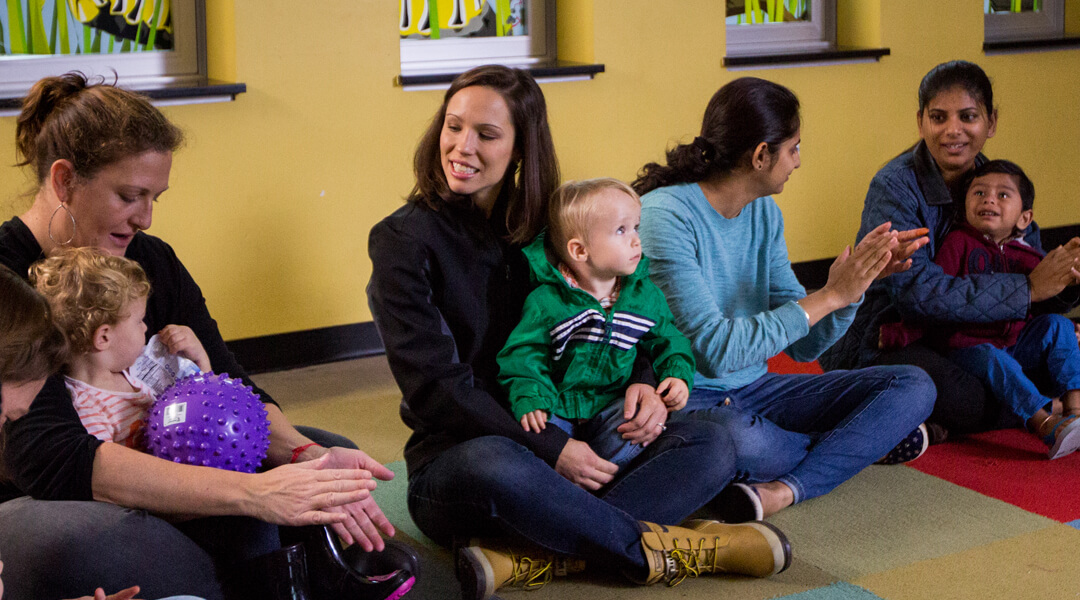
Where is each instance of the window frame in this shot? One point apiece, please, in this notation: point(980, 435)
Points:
point(184, 64)
point(456, 55)
point(1048, 23)
point(773, 38)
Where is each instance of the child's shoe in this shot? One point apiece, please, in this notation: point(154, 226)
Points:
point(485, 566)
point(335, 572)
point(1064, 438)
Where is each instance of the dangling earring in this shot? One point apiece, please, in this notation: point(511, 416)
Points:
point(70, 216)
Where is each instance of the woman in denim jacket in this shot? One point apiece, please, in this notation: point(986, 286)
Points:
point(918, 189)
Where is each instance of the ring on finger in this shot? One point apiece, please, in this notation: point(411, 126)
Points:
point(662, 426)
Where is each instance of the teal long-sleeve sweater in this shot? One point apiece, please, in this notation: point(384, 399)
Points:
point(730, 285)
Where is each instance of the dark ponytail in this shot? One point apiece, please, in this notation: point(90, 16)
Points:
point(741, 115)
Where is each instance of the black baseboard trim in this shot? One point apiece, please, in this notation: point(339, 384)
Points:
point(344, 342)
point(305, 348)
point(1052, 237)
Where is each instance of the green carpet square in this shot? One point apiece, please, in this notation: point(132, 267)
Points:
point(836, 591)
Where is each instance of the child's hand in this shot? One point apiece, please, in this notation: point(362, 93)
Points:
point(181, 340)
point(535, 421)
point(1076, 326)
point(674, 393)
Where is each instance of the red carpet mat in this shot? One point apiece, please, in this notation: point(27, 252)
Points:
point(1009, 465)
point(782, 363)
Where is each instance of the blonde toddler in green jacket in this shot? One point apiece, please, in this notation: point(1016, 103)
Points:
point(571, 358)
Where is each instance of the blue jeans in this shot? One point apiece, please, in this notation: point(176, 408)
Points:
point(1045, 357)
point(494, 487)
point(600, 432)
point(814, 432)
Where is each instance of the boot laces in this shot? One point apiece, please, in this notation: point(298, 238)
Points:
point(530, 573)
point(691, 562)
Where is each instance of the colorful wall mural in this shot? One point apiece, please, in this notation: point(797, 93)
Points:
point(756, 12)
point(84, 26)
point(442, 19)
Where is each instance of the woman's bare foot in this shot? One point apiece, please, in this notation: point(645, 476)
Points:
point(775, 496)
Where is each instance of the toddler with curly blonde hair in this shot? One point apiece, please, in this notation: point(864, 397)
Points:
point(99, 302)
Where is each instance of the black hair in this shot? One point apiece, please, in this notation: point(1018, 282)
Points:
point(741, 115)
point(1006, 167)
point(957, 73)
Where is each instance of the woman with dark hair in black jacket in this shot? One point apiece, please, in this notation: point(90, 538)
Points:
point(447, 288)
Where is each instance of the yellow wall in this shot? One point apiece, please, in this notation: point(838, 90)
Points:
point(273, 197)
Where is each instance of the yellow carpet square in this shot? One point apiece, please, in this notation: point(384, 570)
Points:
point(1037, 565)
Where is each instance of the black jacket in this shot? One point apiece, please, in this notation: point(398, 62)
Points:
point(445, 292)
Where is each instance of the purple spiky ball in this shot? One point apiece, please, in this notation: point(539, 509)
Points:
point(209, 420)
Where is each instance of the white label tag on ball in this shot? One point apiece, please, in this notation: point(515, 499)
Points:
point(175, 413)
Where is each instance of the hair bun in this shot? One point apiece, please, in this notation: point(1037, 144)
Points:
point(40, 102)
point(705, 147)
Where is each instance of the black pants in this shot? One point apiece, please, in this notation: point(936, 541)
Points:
point(964, 405)
point(54, 549)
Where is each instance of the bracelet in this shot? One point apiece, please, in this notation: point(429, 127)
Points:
point(297, 451)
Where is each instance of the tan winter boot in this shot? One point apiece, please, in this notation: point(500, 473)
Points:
point(485, 566)
point(675, 553)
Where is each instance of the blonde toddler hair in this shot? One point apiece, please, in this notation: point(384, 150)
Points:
point(573, 207)
point(86, 289)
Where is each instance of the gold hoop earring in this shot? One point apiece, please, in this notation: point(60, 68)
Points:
point(70, 217)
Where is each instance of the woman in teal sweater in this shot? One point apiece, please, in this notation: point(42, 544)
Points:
point(716, 240)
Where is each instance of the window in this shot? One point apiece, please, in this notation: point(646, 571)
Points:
point(1014, 20)
point(147, 43)
point(451, 36)
point(780, 26)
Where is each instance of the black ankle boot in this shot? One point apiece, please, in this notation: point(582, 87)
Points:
point(337, 573)
point(279, 575)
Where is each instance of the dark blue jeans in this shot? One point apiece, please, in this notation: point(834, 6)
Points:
point(1045, 357)
point(814, 432)
point(494, 487)
point(601, 433)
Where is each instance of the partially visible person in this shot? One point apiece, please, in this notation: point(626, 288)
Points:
point(31, 346)
point(1015, 359)
point(101, 157)
point(31, 349)
point(99, 302)
point(923, 188)
point(715, 237)
point(447, 288)
point(571, 358)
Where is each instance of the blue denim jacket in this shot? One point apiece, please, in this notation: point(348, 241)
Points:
point(911, 193)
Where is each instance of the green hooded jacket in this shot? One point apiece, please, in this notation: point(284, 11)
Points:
point(571, 357)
